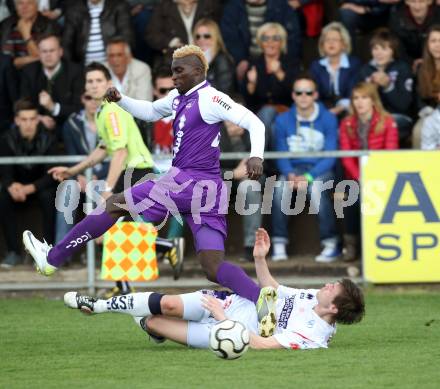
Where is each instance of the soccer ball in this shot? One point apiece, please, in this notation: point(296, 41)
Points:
point(229, 339)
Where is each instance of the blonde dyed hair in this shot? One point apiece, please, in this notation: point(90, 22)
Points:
point(187, 50)
point(370, 90)
point(343, 32)
point(280, 30)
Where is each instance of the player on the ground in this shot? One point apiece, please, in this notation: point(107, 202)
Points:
point(193, 187)
point(306, 317)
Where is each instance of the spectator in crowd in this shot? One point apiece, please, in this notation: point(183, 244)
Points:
point(393, 77)
point(7, 8)
point(90, 24)
point(24, 183)
point(236, 139)
point(307, 126)
point(368, 127)
point(163, 138)
point(131, 76)
point(80, 138)
point(207, 36)
point(364, 15)
point(172, 23)
point(51, 9)
point(9, 91)
point(141, 11)
point(431, 130)
point(52, 83)
point(428, 81)
point(162, 129)
point(242, 18)
point(19, 32)
point(411, 22)
point(336, 72)
point(269, 79)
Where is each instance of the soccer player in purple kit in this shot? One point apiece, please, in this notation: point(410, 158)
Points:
point(193, 186)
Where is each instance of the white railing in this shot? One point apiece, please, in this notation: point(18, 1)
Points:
point(91, 282)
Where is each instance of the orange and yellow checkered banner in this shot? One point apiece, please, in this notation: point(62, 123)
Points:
point(129, 252)
point(401, 217)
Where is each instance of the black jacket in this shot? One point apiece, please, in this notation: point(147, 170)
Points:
point(9, 91)
point(398, 97)
point(75, 142)
point(13, 145)
point(269, 90)
point(411, 35)
point(221, 73)
point(65, 88)
point(42, 25)
point(166, 22)
point(115, 21)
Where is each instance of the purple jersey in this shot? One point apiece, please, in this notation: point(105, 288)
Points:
point(196, 142)
point(198, 115)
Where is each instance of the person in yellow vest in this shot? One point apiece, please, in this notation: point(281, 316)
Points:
point(121, 140)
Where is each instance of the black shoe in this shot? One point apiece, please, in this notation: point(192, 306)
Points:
point(175, 256)
point(154, 337)
point(77, 301)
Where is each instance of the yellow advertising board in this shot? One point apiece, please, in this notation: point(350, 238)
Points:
point(401, 216)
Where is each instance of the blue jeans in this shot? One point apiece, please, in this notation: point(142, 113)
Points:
point(267, 115)
point(253, 220)
point(320, 203)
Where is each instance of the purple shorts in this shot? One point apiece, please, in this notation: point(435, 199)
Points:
point(202, 203)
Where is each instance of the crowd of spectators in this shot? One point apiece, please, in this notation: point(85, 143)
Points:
point(259, 52)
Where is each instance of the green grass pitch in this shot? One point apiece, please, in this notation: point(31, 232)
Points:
point(45, 345)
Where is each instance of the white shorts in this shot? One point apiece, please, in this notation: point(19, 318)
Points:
point(236, 308)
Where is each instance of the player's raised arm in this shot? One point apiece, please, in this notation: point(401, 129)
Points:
point(261, 249)
point(142, 109)
point(216, 106)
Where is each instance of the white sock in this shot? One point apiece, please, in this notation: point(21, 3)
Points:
point(192, 306)
point(279, 249)
point(134, 304)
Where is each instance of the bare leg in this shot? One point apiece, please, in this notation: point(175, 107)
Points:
point(169, 327)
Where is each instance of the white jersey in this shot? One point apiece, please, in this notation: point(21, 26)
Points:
point(298, 326)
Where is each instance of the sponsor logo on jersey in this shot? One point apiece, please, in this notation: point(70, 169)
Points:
point(179, 136)
point(286, 312)
point(219, 100)
point(308, 296)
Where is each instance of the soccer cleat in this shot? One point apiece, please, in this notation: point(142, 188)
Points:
point(266, 311)
point(142, 323)
point(115, 291)
point(75, 300)
point(175, 256)
point(38, 251)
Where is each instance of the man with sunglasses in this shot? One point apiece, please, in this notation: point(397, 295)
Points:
point(307, 126)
